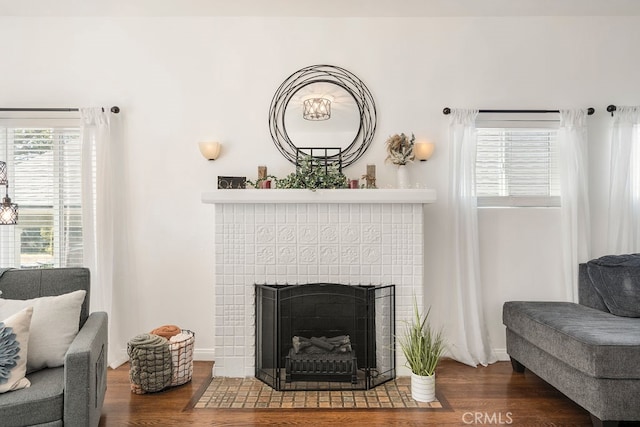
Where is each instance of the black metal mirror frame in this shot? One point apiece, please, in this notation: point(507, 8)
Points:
point(323, 74)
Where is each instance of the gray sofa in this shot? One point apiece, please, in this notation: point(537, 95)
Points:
point(584, 350)
point(71, 395)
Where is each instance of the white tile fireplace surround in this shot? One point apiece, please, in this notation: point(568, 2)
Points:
point(302, 236)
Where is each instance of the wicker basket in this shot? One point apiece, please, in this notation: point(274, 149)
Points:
point(154, 369)
point(182, 359)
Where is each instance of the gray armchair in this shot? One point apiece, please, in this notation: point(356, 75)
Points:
point(71, 395)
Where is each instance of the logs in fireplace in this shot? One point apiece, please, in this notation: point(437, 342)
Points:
point(325, 336)
point(321, 358)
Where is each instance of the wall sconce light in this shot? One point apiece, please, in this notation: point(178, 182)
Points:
point(8, 210)
point(316, 109)
point(423, 150)
point(210, 149)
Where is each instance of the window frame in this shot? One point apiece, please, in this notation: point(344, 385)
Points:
point(12, 254)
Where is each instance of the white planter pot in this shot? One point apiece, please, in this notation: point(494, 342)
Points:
point(423, 388)
point(402, 177)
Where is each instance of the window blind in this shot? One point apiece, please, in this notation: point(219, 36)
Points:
point(44, 177)
point(517, 165)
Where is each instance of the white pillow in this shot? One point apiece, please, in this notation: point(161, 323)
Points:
point(14, 344)
point(54, 325)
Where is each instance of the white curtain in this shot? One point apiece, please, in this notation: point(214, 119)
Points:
point(624, 184)
point(576, 229)
point(101, 207)
point(469, 339)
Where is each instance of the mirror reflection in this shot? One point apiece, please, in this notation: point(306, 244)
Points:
point(338, 130)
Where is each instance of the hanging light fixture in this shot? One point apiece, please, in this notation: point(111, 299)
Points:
point(8, 210)
point(3, 173)
point(316, 109)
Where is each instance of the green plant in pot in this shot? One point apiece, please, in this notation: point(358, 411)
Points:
point(423, 348)
point(314, 174)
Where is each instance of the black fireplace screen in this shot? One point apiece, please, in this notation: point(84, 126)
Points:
point(325, 336)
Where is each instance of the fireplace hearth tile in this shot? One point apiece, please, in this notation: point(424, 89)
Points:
point(250, 393)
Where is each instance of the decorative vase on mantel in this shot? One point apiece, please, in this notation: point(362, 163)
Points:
point(423, 387)
point(402, 177)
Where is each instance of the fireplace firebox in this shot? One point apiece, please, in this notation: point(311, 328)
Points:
point(325, 336)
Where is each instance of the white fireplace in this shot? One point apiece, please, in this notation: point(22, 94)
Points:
point(303, 236)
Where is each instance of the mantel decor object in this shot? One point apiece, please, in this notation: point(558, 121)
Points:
point(263, 180)
point(400, 152)
point(370, 177)
point(315, 172)
point(232, 182)
point(402, 177)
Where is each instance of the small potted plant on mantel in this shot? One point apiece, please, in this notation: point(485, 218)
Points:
point(400, 152)
point(309, 174)
point(423, 348)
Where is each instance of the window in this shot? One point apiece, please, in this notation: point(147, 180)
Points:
point(517, 162)
point(43, 161)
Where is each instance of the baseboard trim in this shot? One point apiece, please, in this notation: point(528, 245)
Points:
point(204, 354)
point(119, 358)
point(501, 354)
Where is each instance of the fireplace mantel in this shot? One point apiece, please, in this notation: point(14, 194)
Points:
point(320, 196)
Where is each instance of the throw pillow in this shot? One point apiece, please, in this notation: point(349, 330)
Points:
point(14, 343)
point(616, 278)
point(54, 325)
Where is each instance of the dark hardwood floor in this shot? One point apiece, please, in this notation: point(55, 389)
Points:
point(477, 396)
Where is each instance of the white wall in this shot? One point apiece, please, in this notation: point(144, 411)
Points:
point(179, 80)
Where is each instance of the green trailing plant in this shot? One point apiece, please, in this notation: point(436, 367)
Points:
point(421, 345)
point(312, 174)
point(257, 182)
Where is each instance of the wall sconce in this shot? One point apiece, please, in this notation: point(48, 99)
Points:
point(8, 210)
point(423, 150)
point(210, 149)
point(316, 109)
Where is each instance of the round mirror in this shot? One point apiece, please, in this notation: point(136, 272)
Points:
point(323, 106)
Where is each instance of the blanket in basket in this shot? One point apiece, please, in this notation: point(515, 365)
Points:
point(150, 359)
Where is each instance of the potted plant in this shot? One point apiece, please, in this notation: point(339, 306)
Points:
point(423, 348)
point(400, 152)
point(311, 174)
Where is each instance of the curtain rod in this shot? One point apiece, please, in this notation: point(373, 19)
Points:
point(114, 109)
point(590, 111)
point(611, 108)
